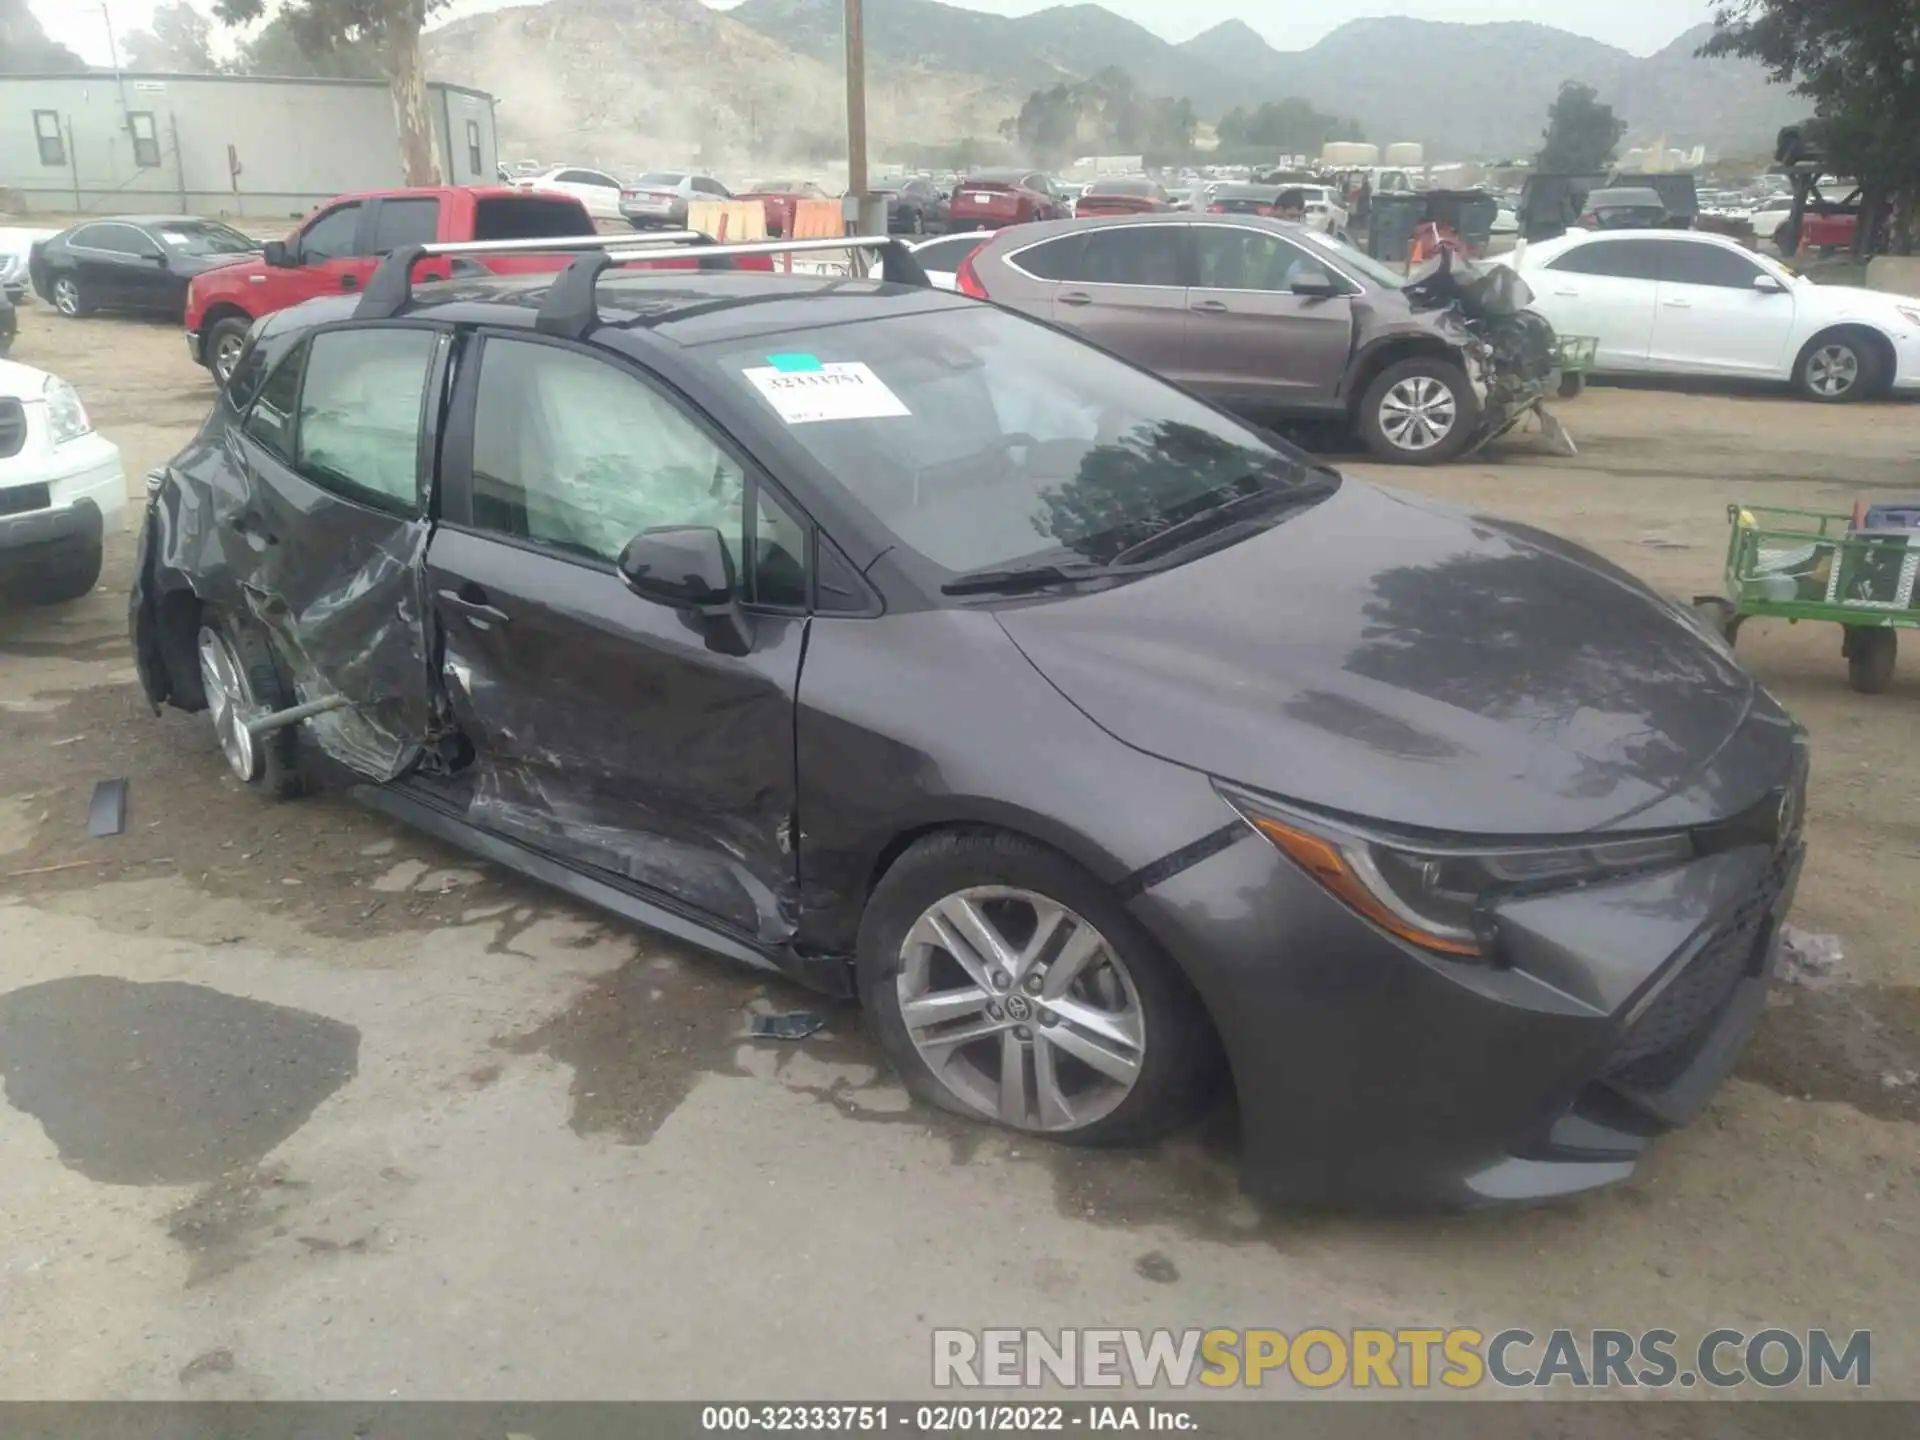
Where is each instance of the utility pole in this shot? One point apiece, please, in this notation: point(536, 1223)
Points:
point(859, 199)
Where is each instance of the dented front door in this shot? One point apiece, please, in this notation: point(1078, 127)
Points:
point(606, 729)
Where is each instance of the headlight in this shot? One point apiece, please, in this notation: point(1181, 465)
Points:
point(66, 416)
point(1437, 895)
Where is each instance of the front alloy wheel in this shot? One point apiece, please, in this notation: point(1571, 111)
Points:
point(1831, 371)
point(1418, 413)
point(1021, 1009)
point(66, 297)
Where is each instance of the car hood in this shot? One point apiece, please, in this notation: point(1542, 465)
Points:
point(22, 382)
point(1393, 659)
point(1857, 301)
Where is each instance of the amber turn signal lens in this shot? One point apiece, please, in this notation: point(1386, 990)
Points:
point(1326, 864)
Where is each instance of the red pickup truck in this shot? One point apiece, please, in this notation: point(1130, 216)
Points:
point(339, 246)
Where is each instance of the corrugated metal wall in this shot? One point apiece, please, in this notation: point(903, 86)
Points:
point(99, 144)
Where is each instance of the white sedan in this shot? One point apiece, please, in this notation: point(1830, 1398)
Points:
point(1325, 210)
point(940, 257)
point(64, 485)
point(595, 189)
point(1682, 302)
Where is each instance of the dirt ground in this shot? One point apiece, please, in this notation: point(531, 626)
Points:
point(303, 1105)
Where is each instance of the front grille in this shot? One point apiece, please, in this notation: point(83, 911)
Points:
point(1660, 1045)
point(13, 428)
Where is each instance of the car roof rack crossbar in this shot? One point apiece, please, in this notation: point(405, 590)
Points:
point(569, 306)
point(389, 290)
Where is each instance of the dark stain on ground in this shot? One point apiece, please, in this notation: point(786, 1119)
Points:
point(1158, 1267)
point(642, 1035)
point(217, 1225)
point(168, 1083)
point(1855, 1044)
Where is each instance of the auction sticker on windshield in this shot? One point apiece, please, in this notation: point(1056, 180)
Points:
point(842, 390)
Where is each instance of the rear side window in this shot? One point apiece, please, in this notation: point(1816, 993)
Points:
point(1134, 255)
point(1687, 263)
point(405, 222)
point(270, 421)
point(116, 239)
point(1618, 259)
point(358, 432)
point(1060, 259)
point(530, 217)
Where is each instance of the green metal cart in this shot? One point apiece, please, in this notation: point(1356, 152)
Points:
point(1811, 565)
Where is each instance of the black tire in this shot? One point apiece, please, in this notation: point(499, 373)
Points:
point(1181, 1060)
point(68, 298)
point(1466, 411)
point(228, 336)
point(1837, 368)
point(73, 579)
point(1573, 384)
point(278, 775)
point(1870, 652)
point(1718, 612)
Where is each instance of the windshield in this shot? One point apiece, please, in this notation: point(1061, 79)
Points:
point(983, 440)
point(204, 237)
point(1352, 257)
point(665, 179)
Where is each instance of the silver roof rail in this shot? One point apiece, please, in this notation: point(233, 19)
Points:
point(569, 307)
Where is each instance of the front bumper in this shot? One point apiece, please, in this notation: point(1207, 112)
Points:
point(1906, 363)
point(1371, 1072)
point(86, 490)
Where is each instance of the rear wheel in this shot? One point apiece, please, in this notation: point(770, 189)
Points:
point(1870, 652)
point(67, 297)
point(1420, 411)
point(1007, 984)
point(240, 681)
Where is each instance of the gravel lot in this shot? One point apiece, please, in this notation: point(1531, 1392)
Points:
point(303, 1105)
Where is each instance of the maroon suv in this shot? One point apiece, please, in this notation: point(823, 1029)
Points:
point(989, 199)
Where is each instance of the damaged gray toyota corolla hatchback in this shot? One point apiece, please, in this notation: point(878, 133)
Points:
point(915, 649)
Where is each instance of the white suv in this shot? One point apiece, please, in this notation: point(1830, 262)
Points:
point(61, 488)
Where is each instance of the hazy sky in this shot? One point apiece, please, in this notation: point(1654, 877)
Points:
point(1641, 26)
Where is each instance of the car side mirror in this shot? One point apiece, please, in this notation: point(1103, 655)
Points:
point(278, 252)
point(1313, 281)
point(1768, 285)
point(687, 568)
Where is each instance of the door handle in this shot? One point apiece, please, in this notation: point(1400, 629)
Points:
point(1568, 294)
point(1208, 307)
point(349, 282)
point(1678, 304)
point(478, 613)
point(1075, 297)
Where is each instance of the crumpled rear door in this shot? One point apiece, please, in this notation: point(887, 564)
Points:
point(311, 517)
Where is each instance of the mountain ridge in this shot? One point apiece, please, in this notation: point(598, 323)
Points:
point(1403, 79)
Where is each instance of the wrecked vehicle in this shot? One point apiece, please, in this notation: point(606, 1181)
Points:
point(1092, 738)
point(1521, 352)
point(1270, 319)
